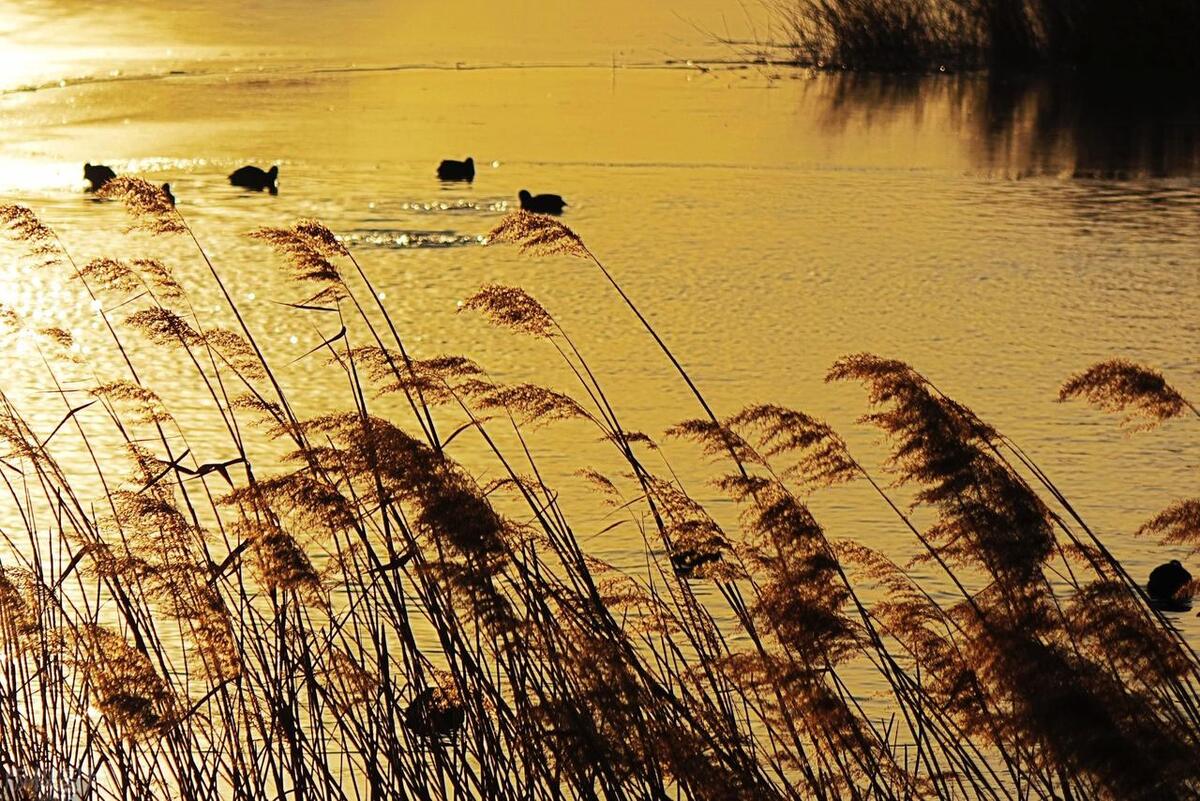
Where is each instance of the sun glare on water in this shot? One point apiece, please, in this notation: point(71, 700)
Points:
point(20, 176)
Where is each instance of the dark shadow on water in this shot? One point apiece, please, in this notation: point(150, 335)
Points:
point(1107, 128)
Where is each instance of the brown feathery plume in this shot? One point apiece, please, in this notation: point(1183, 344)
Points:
point(152, 524)
point(1109, 623)
point(717, 440)
point(19, 594)
point(235, 351)
point(1107, 735)
point(355, 684)
point(145, 404)
point(164, 327)
point(180, 582)
point(537, 234)
point(451, 508)
point(518, 484)
point(146, 203)
point(10, 318)
point(307, 502)
point(925, 629)
point(268, 412)
point(282, 563)
point(109, 275)
point(512, 307)
point(822, 456)
point(530, 404)
point(22, 225)
point(1119, 384)
point(434, 378)
point(308, 247)
point(1178, 524)
point(803, 596)
point(379, 456)
point(698, 545)
point(989, 516)
point(602, 484)
point(160, 277)
point(62, 340)
point(23, 442)
point(114, 561)
point(471, 583)
point(317, 233)
point(634, 438)
point(125, 687)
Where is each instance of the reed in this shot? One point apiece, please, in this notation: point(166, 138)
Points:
point(339, 608)
point(923, 35)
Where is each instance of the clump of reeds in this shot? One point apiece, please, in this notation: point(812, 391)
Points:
point(366, 618)
point(924, 35)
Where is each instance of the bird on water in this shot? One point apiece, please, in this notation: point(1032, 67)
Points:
point(434, 715)
point(1169, 585)
point(97, 175)
point(166, 190)
point(451, 170)
point(256, 179)
point(541, 204)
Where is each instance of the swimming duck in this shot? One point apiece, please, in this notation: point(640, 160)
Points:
point(256, 179)
point(541, 204)
point(451, 170)
point(1167, 583)
point(97, 175)
point(166, 190)
point(432, 714)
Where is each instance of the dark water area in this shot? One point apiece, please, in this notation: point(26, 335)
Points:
point(1108, 127)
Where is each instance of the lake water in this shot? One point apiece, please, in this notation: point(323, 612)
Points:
point(999, 235)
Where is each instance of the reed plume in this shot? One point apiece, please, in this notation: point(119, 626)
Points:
point(1119, 385)
point(537, 235)
point(146, 203)
point(1178, 524)
point(512, 307)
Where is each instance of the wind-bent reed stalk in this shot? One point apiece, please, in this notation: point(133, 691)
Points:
point(369, 620)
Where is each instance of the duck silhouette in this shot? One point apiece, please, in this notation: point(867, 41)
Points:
point(451, 170)
point(256, 179)
point(97, 175)
point(1167, 585)
point(166, 190)
point(434, 716)
point(686, 561)
point(541, 204)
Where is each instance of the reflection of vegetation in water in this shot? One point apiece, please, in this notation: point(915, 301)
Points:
point(1109, 128)
point(372, 622)
point(932, 34)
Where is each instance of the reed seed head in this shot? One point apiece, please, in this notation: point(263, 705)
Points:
point(512, 307)
point(148, 205)
point(538, 235)
point(1119, 385)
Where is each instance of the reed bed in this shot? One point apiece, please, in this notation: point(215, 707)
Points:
point(372, 621)
point(922, 35)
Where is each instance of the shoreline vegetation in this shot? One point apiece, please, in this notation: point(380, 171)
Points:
point(374, 622)
point(1146, 39)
